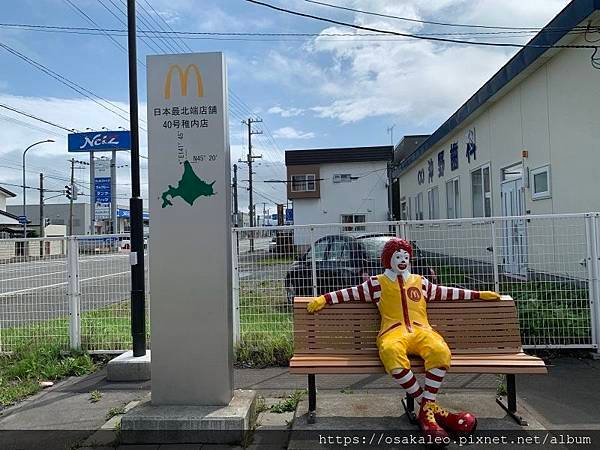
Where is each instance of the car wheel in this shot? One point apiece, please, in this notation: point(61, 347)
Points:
point(290, 293)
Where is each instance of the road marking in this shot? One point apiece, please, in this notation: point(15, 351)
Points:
point(21, 291)
point(31, 276)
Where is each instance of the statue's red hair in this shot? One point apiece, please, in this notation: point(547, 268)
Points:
point(392, 246)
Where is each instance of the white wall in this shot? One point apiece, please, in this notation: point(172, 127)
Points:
point(2, 202)
point(554, 113)
point(367, 195)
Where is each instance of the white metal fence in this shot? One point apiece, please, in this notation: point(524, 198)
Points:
point(74, 293)
point(548, 264)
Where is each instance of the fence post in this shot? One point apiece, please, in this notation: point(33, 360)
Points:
point(235, 279)
point(73, 293)
point(495, 258)
point(313, 263)
point(592, 236)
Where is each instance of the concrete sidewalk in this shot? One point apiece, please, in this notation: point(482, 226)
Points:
point(567, 398)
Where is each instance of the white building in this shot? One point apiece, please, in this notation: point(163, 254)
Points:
point(527, 142)
point(338, 185)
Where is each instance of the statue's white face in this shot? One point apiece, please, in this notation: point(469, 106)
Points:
point(400, 261)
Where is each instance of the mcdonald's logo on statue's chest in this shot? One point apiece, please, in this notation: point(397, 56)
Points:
point(183, 77)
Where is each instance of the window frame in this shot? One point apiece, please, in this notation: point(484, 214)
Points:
point(430, 195)
point(419, 206)
point(456, 198)
point(354, 221)
point(544, 194)
point(308, 178)
point(481, 168)
point(342, 178)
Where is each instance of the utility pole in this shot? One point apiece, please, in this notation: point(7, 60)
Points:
point(235, 196)
point(42, 220)
point(136, 205)
point(72, 183)
point(390, 131)
point(249, 161)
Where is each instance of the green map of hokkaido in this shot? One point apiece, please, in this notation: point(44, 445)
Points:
point(189, 188)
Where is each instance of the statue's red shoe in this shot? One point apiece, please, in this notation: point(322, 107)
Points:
point(458, 424)
point(429, 427)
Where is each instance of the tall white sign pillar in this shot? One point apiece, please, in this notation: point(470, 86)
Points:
point(190, 237)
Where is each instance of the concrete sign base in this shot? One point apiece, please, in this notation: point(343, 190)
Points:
point(177, 424)
point(127, 367)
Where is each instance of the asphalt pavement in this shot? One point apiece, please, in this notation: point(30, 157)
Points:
point(37, 290)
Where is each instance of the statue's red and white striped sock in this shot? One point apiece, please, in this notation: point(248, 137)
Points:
point(433, 381)
point(409, 382)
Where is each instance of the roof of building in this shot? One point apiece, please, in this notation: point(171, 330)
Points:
point(338, 155)
point(407, 145)
point(7, 192)
point(559, 27)
point(14, 220)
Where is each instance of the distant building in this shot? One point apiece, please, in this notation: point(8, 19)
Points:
point(9, 223)
point(338, 185)
point(57, 214)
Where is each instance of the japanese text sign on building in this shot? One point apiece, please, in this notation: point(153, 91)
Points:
point(454, 156)
point(190, 204)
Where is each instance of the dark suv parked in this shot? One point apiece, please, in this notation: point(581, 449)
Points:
point(343, 261)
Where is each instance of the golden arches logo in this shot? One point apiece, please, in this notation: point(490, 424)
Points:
point(183, 79)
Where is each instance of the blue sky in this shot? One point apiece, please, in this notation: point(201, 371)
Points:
point(317, 91)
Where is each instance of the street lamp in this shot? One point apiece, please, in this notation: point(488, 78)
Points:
point(24, 189)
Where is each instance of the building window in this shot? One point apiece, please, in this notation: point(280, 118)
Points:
point(303, 183)
point(453, 198)
point(419, 206)
point(481, 192)
point(404, 209)
point(354, 218)
point(540, 183)
point(433, 202)
point(342, 178)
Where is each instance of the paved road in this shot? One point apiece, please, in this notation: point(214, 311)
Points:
point(37, 290)
point(33, 291)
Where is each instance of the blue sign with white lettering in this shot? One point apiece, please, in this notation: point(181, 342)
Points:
point(22, 219)
point(103, 190)
point(289, 215)
point(96, 141)
point(124, 213)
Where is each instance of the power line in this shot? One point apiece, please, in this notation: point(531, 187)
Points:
point(418, 36)
point(31, 116)
point(67, 82)
point(428, 22)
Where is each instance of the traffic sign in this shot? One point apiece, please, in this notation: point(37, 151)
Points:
point(22, 220)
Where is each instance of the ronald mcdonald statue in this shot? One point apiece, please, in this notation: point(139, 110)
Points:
point(401, 298)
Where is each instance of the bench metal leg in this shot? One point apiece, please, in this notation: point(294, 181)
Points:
point(511, 398)
point(312, 398)
point(409, 409)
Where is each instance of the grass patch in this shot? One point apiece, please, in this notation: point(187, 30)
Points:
point(273, 260)
point(22, 371)
point(289, 403)
point(266, 323)
point(116, 411)
point(95, 396)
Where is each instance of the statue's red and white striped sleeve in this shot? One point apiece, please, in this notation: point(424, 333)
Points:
point(369, 291)
point(434, 292)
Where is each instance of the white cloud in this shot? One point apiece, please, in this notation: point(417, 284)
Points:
point(417, 81)
point(292, 133)
point(285, 112)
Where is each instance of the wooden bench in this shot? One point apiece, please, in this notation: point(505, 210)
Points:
point(483, 336)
